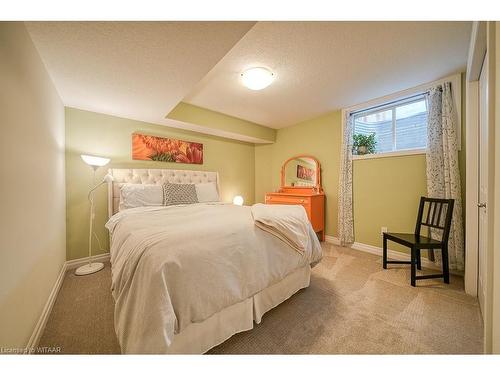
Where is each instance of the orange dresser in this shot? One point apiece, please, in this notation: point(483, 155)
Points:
point(312, 201)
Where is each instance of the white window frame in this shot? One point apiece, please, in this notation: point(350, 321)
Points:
point(392, 107)
point(456, 88)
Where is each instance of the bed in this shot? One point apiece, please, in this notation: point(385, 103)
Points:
point(188, 277)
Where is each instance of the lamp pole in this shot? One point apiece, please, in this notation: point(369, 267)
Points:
point(91, 267)
point(92, 215)
point(95, 162)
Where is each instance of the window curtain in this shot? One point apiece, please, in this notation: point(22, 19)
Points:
point(443, 175)
point(346, 222)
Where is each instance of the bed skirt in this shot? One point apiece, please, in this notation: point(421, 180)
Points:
point(198, 338)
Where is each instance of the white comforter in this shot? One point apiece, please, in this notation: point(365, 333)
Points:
point(287, 222)
point(172, 266)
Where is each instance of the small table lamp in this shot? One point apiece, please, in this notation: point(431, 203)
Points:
point(238, 200)
point(95, 162)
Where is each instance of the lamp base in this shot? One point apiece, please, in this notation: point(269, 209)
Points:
point(88, 269)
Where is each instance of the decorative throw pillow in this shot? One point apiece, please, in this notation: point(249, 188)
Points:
point(179, 194)
point(207, 192)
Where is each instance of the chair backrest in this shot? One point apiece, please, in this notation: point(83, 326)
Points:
point(435, 213)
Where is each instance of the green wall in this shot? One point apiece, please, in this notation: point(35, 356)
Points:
point(103, 135)
point(319, 137)
point(386, 191)
point(215, 120)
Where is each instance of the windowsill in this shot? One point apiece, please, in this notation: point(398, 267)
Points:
point(418, 151)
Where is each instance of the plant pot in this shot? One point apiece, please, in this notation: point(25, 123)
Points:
point(362, 150)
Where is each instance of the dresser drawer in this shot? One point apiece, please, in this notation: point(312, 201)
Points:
point(287, 200)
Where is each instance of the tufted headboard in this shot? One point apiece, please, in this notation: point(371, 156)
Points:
point(153, 176)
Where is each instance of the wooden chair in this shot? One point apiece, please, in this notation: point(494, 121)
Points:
point(438, 217)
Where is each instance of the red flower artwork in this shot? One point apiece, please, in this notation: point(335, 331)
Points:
point(148, 147)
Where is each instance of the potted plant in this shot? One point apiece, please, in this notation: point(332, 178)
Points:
point(364, 144)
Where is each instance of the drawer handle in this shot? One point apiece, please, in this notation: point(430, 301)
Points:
point(302, 201)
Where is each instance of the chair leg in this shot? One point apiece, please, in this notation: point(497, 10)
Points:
point(384, 253)
point(419, 260)
point(413, 266)
point(446, 270)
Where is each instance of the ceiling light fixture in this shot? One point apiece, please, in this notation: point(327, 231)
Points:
point(257, 78)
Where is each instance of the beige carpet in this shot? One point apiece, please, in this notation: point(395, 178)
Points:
point(351, 306)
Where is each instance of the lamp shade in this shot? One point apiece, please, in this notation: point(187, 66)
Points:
point(95, 161)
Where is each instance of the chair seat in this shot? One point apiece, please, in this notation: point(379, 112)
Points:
point(410, 240)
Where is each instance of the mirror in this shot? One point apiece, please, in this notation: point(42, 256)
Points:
point(301, 171)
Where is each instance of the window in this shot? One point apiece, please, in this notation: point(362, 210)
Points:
point(400, 125)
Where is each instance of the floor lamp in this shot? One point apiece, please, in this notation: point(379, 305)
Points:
point(95, 162)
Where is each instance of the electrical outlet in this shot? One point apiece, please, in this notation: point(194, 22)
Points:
point(383, 230)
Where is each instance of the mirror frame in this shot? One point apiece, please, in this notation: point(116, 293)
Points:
point(317, 184)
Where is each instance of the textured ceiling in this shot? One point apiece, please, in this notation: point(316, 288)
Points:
point(137, 70)
point(142, 70)
point(322, 66)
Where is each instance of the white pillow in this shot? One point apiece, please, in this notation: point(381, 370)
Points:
point(138, 195)
point(207, 192)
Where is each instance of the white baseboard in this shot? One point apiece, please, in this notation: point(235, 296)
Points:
point(391, 254)
point(42, 321)
point(47, 309)
point(333, 240)
point(75, 263)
